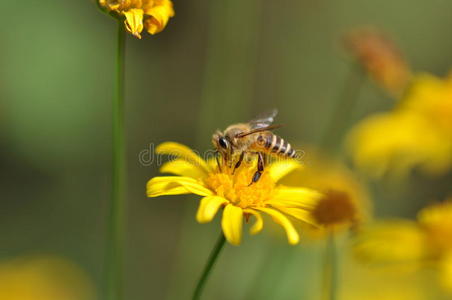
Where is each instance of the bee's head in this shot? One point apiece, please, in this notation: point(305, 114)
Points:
point(222, 143)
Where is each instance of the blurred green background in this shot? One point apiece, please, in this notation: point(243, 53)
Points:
point(217, 63)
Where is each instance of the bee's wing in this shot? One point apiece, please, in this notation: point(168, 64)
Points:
point(263, 120)
point(259, 129)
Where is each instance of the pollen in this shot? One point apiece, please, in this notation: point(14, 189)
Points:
point(336, 207)
point(237, 188)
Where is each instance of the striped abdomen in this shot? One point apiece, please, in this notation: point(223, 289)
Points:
point(274, 144)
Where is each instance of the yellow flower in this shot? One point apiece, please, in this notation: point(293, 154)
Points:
point(386, 291)
point(43, 278)
point(358, 282)
point(345, 202)
point(431, 97)
point(436, 221)
point(400, 241)
point(426, 242)
point(417, 133)
point(380, 57)
point(397, 142)
point(220, 188)
point(152, 15)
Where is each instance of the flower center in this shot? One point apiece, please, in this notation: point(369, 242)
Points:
point(237, 189)
point(334, 208)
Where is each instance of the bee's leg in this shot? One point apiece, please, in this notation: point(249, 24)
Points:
point(260, 168)
point(218, 161)
point(230, 158)
point(242, 155)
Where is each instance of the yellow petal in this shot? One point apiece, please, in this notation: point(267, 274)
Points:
point(292, 234)
point(103, 3)
point(391, 241)
point(175, 185)
point(183, 152)
point(298, 213)
point(295, 197)
point(445, 268)
point(232, 223)
point(208, 208)
point(281, 168)
point(259, 224)
point(159, 15)
point(396, 142)
point(134, 21)
point(183, 168)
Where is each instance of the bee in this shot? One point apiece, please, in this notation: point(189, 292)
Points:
point(252, 138)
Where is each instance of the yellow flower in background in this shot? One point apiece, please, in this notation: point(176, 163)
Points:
point(380, 58)
point(151, 15)
point(431, 97)
point(240, 200)
point(43, 278)
point(417, 133)
point(385, 291)
point(397, 142)
point(393, 241)
point(424, 243)
point(345, 202)
point(359, 282)
point(436, 221)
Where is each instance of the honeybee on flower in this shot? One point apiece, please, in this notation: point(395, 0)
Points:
point(228, 187)
point(240, 141)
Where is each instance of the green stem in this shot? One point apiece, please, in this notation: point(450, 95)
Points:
point(208, 268)
point(330, 269)
point(343, 109)
point(116, 216)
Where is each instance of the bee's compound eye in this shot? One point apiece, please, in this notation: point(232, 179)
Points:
point(223, 142)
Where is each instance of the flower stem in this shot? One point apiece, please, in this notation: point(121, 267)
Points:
point(208, 268)
point(116, 216)
point(330, 269)
point(343, 108)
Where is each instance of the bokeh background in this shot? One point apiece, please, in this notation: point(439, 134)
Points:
point(217, 63)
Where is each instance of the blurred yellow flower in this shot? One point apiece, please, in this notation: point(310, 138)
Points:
point(431, 97)
point(426, 242)
point(152, 15)
point(359, 282)
point(385, 291)
point(400, 241)
point(417, 133)
point(436, 221)
point(43, 278)
point(380, 58)
point(345, 202)
point(221, 188)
